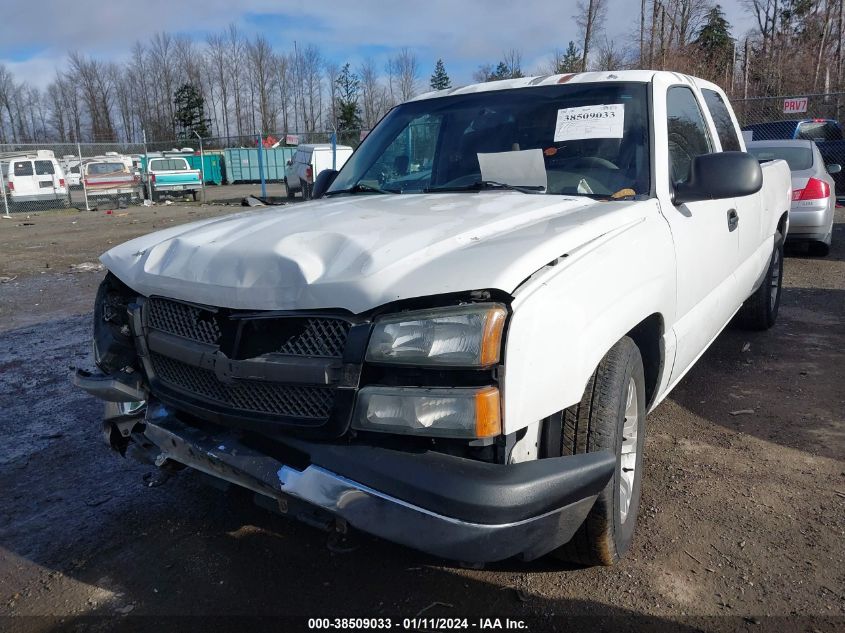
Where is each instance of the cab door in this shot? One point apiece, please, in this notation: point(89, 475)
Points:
point(704, 233)
point(754, 245)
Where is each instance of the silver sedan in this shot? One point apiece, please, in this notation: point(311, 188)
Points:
point(813, 189)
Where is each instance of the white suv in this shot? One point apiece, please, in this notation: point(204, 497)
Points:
point(307, 162)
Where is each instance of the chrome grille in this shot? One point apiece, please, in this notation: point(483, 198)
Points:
point(246, 395)
point(183, 320)
point(321, 337)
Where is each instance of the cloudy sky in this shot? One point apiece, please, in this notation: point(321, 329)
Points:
point(36, 35)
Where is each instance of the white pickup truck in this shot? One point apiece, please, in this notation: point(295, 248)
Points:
point(462, 361)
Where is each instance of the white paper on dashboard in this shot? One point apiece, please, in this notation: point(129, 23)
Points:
point(595, 121)
point(748, 135)
point(524, 168)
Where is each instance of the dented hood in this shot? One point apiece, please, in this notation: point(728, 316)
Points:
point(359, 252)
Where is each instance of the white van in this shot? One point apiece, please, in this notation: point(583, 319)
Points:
point(35, 178)
point(308, 162)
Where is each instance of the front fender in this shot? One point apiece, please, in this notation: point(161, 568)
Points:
point(568, 315)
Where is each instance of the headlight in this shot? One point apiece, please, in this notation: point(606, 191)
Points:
point(460, 336)
point(466, 412)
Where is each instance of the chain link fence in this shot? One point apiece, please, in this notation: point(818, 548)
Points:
point(97, 176)
point(814, 117)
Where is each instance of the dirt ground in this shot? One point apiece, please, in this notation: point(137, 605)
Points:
point(742, 524)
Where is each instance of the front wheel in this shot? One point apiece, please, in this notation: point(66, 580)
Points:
point(610, 417)
point(760, 310)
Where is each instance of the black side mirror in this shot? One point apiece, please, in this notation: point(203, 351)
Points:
point(834, 168)
point(720, 175)
point(322, 182)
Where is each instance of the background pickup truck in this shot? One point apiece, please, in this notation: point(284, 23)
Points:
point(461, 362)
point(171, 176)
point(110, 179)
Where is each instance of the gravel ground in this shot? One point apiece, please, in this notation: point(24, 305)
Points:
point(742, 523)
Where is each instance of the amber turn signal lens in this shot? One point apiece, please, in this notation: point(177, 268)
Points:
point(488, 413)
point(491, 340)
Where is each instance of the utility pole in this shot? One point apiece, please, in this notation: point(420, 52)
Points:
point(202, 164)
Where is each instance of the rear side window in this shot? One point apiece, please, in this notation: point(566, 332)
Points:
point(722, 119)
point(44, 168)
point(819, 131)
point(688, 135)
point(23, 168)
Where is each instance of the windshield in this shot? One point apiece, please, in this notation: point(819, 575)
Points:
point(587, 139)
point(798, 158)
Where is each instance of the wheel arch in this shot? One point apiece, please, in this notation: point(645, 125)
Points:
point(648, 337)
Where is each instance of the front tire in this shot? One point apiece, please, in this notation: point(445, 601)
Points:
point(760, 310)
point(610, 417)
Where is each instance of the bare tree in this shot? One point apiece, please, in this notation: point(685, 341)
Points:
point(403, 73)
point(95, 87)
point(216, 55)
point(590, 19)
point(375, 98)
point(261, 59)
point(610, 56)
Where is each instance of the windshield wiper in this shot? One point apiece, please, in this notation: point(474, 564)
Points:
point(480, 185)
point(362, 188)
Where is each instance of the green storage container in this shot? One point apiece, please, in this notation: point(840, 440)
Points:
point(213, 167)
point(241, 164)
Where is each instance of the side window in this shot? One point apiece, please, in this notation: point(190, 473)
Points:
point(44, 168)
point(23, 168)
point(688, 135)
point(722, 118)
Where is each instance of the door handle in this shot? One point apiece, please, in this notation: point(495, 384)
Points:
point(733, 220)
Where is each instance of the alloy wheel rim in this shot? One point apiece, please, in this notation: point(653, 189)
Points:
point(628, 459)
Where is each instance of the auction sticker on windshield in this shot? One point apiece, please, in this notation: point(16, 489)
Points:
point(594, 121)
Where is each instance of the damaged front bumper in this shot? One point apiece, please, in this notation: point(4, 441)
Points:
point(444, 505)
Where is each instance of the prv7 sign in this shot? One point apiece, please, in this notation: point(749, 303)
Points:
point(796, 105)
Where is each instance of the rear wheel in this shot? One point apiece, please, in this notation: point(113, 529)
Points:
point(610, 417)
point(288, 191)
point(760, 310)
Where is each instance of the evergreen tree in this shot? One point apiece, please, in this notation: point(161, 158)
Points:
point(571, 60)
point(505, 71)
point(439, 79)
point(714, 41)
point(349, 89)
point(190, 112)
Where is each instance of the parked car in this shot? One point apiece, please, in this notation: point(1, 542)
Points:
point(826, 133)
point(170, 175)
point(813, 189)
point(466, 369)
point(35, 178)
point(308, 162)
point(112, 179)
